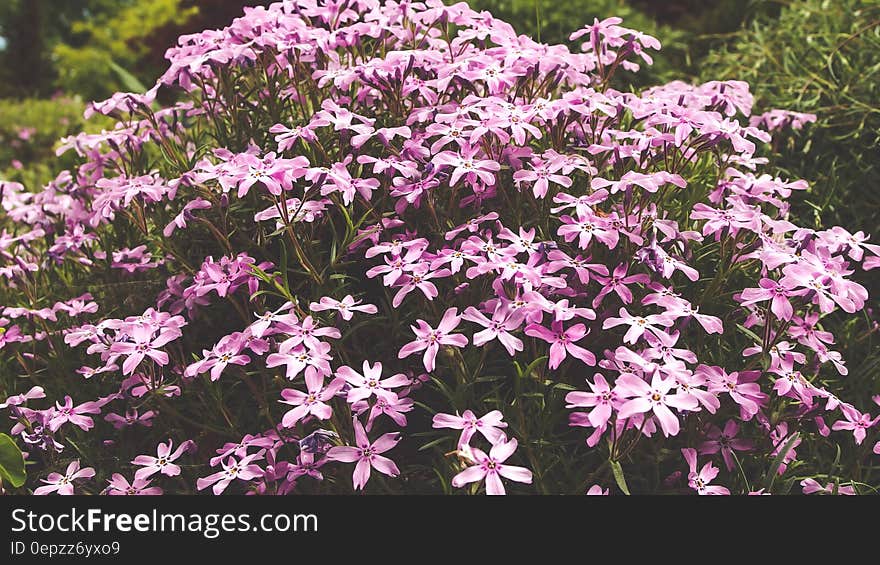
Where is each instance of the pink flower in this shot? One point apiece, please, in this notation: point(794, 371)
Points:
point(856, 421)
point(618, 283)
point(63, 484)
point(465, 164)
point(307, 333)
point(653, 398)
point(19, 399)
point(269, 318)
point(119, 485)
point(602, 400)
point(504, 320)
point(562, 342)
point(371, 382)
point(287, 137)
point(679, 308)
point(472, 225)
point(269, 171)
point(700, 481)
point(395, 266)
point(662, 347)
point(346, 307)
point(491, 468)
point(179, 221)
point(67, 412)
point(585, 227)
point(740, 386)
point(776, 293)
point(390, 405)
point(314, 361)
point(429, 339)
point(130, 418)
point(638, 325)
point(811, 486)
point(582, 268)
point(649, 182)
point(490, 426)
point(307, 466)
point(241, 447)
point(163, 462)
point(782, 440)
point(542, 176)
point(228, 351)
point(791, 382)
point(242, 470)
point(367, 455)
point(312, 403)
point(144, 344)
point(724, 441)
point(418, 278)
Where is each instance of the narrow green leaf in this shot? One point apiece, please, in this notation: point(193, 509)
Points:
point(283, 263)
point(777, 461)
point(531, 367)
point(750, 333)
point(618, 476)
point(432, 443)
point(11, 462)
point(128, 80)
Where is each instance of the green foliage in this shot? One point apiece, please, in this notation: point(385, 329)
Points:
point(11, 463)
point(29, 131)
point(110, 43)
point(821, 57)
point(30, 29)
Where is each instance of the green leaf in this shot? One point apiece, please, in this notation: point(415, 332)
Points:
point(283, 264)
point(531, 367)
point(618, 476)
point(432, 443)
point(128, 80)
point(11, 462)
point(759, 340)
point(777, 461)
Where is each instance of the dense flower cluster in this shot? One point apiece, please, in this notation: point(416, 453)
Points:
point(362, 224)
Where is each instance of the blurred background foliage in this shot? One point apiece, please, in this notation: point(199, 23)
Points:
point(29, 131)
point(105, 45)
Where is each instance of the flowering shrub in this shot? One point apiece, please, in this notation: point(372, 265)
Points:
point(396, 247)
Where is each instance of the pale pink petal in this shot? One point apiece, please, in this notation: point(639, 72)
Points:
point(514, 473)
point(469, 475)
point(385, 466)
point(494, 486)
